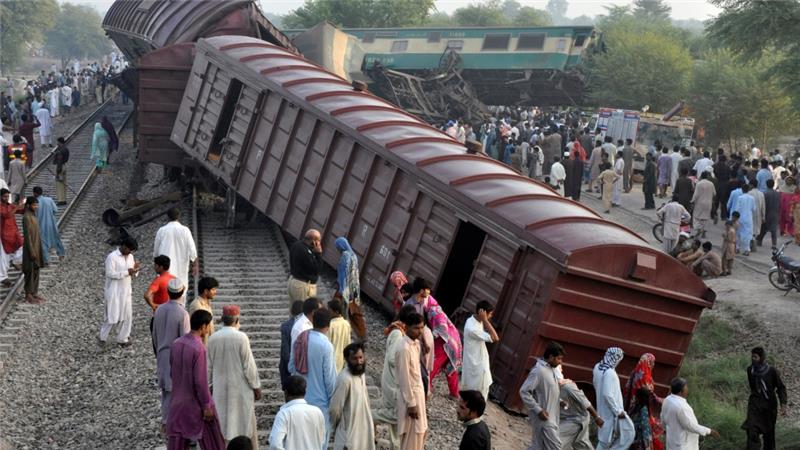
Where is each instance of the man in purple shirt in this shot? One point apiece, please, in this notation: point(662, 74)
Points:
point(192, 416)
point(170, 322)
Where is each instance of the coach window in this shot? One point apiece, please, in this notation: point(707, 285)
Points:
point(496, 42)
point(220, 139)
point(580, 40)
point(561, 45)
point(369, 37)
point(399, 46)
point(455, 45)
point(531, 41)
point(434, 36)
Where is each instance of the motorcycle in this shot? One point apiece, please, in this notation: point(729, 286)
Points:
point(658, 228)
point(785, 274)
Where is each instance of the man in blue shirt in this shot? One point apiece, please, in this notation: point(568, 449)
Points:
point(312, 358)
point(763, 175)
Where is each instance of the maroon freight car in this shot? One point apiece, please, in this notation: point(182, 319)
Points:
point(157, 37)
point(308, 150)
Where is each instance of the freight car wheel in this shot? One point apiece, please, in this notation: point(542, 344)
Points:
point(778, 280)
point(658, 232)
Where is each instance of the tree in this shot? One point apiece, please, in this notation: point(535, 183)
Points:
point(651, 10)
point(583, 19)
point(752, 28)
point(639, 68)
point(735, 100)
point(486, 14)
point(23, 24)
point(439, 19)
point(360, 13)
point(77, 34)
point(528, 16)
point(613, 16)
point(557, 10)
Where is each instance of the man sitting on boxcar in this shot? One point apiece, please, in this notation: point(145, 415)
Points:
point(305, 261)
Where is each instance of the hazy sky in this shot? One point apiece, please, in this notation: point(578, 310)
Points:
point(681, 9)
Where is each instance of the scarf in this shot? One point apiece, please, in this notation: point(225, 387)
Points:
point(347, 270)
point(612, 357)
point(397, 325)
point(641, 377)
point(398, 280)
point(443, 328)
point(301, 353)
point(759, 373)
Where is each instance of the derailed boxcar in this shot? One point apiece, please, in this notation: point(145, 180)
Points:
point(307, 149)
point(157, 38)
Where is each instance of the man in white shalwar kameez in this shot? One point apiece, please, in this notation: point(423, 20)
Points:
point(619, 169)
point(234, 378)
point(349, 409)
point(680, 423)
point(673, 177)
point(476, 374)
point(671, 215)
point(120, 267)
point(609, 401)
point(386, 412)
point(46, 126)
point(540, 394)
point(53, 101)
point(175, 241)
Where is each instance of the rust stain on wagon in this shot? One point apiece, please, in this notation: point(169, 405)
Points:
point(310, 151)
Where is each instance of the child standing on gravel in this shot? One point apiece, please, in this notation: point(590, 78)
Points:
point(729, 243)
point(339, 332)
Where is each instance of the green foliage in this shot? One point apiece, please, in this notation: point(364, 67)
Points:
point(715, 370)
point(439, 19)
point(734, 100)
point(639, 68)
point(485, 14)
point(493, 13)
point(651, 10)
point(360, 13)
point(528, 16)
point(753, 28)
point(77, 34)
point(23, 24)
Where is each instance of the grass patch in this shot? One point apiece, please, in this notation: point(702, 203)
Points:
point(715, 369)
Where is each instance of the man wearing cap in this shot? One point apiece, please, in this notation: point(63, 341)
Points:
point(234, 378)
point(170, 322)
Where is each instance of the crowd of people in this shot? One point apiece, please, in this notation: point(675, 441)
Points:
point(701, 187)
point(633, 416)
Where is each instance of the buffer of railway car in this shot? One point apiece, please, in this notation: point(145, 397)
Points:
point(311, 151)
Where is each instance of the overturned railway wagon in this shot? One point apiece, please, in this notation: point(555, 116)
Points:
point(157, 38)
point(307, 149)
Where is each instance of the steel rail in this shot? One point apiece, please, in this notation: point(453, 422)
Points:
point(8, 301)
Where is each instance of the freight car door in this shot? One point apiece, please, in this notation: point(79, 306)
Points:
point(512, 356)
point(492, 273)
point(397, 200)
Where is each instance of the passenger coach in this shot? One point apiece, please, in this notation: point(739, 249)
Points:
point(310, 151)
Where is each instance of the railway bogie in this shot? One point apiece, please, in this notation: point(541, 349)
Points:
point(311, 151)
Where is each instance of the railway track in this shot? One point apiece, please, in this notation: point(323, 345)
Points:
point(251, 264)
point(80, 174)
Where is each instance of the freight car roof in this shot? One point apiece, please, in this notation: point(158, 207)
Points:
point(165, 22)
point(552, 224)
